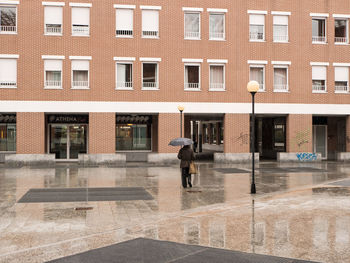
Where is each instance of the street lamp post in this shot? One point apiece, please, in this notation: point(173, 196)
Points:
point(181, 109)
point(253, 88)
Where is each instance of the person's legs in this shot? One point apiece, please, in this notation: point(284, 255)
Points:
point(188, 176)
point(183, 177)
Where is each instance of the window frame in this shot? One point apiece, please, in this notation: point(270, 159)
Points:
point(347, 89)
point(223, 73)
point(199, 76)
point(264, 28)
point(53, 87)
point(224, 26)
point(263, 66)
point(89, 83)
point(347, 31)
point(199, 25)
point(154, 10)
point(54, 34)
point(9, 32)
point(89, 26)
point(129, 62)
point(324, 19)
point(157, 75)
point(287, 77)
point(13, 57)
point(273, 29)
point(131, 8)
point(325, 79)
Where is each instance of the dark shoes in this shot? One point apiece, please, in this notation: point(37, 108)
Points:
point(189, 183)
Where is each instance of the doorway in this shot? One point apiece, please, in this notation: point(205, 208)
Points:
point(319, 138)
point(66, 141)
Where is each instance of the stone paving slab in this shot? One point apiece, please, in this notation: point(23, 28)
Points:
point(345, 183)
point(155, 251)
point(45, 195)
point(273, 170)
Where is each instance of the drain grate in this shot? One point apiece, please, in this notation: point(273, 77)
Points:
point(83, 208)
point(45, 195)
point(193, 191)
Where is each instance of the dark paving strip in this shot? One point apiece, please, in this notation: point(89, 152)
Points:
point(345, 183)
point(272, 170)
point(45, 195)
point(231, 170)
point(155, 251)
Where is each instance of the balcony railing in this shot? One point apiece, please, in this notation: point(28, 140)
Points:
point(150, 33)
point(81, 30)
point(150, 85)
point(124, 33)
point(256, 32)
point(280, 87)
point(280, 38)
point(318, 88)
point(80, 84)
point(341, 40)
point(319, 39)
point(217, 86)
point(124, 85)
point(53, 29)
point(8, 84)
point(341, 88)
point(193, 35)
point(261, 87)
point(191, 86)
point(216, 35)
point(53, 83)
point(11, 29)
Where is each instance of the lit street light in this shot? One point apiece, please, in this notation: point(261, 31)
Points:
point(253, 88)
point(181, 109)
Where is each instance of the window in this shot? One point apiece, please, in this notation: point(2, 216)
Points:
point(319, 76)
point(149, 75)
point(124, 22)
point(280, 28)
point(341, 79)
point(124, 75)
point(8, 19)
point(8, 73)
point(80, 74)
point(341, 31)
point(216, 26)
point(53, 20)
point(53, 74)
point(280, 78)
point(319, 30)
point(80, 21)
point(256, 27)
point(7, 132)
point(192, 25)
point(257, 73)
point(217, 77)
point(150, 23)
point(192, 77)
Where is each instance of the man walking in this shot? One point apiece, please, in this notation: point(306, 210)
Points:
point(186, 155)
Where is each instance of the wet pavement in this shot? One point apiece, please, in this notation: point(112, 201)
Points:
point(300, 211)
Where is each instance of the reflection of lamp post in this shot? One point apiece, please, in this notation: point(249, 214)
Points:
point(253, 88)
point(181, 109)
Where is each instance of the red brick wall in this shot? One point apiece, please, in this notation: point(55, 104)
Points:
point(102, 132)
point(236, 133)
point(299, 133)
point(30, 132)
point(168, 129)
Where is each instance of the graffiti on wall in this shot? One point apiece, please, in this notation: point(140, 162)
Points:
point(243, 138)
point(307, 157)
point(301, 140)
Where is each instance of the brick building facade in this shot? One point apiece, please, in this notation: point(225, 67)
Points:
point(106, 77)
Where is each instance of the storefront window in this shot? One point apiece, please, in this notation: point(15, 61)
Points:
point(133, 137)
point(8, 137)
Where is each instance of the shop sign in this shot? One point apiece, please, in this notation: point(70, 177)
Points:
point(68, 118)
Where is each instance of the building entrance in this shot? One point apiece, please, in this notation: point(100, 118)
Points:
point(67, 140)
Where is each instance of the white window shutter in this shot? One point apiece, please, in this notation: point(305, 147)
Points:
point(80, 16)
point(280, 20)
point(53, 15)
point(53, 65)
point(257, 19)
point(341, 73)
point(80, 65)
point(121, 68)
point(8, 70)
point(124, 19)
point(150, 20)
point(319, 72)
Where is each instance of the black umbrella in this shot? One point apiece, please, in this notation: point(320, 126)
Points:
point(180, 142)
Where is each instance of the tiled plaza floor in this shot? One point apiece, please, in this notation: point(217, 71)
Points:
point(296, 213)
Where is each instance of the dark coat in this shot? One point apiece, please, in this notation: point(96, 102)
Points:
point(186, 155)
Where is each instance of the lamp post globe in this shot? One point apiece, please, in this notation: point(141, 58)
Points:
point(253, 87)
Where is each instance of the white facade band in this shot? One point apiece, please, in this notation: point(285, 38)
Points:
point(81, 57)
point(53, 3)
point(124, 6)
point(171, 107)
